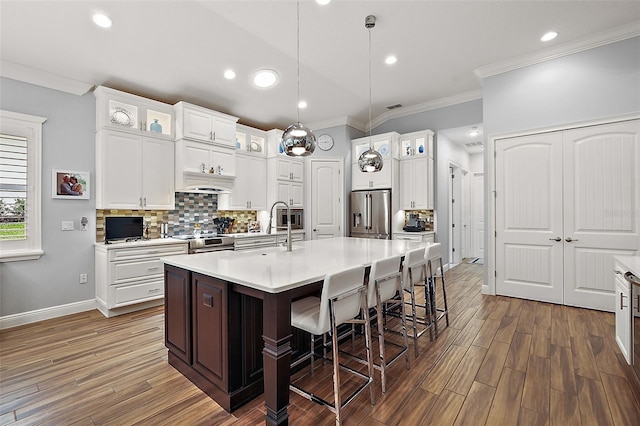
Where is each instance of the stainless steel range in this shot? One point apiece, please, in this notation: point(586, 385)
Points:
point(207, 242)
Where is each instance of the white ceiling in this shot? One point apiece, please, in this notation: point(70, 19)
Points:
point(178, 50)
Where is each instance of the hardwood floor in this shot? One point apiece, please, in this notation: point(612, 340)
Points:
point(502, 361)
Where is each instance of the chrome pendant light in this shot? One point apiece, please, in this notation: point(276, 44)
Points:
point(298, 140)
point(370, 161)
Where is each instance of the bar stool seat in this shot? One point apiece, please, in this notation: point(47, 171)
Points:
point(343, 300)
point(434, 272)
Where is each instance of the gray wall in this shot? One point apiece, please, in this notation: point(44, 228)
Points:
point(591, 85)
point(67, 143)
point(466, 113)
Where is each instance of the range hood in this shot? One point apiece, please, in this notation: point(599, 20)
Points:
point(205, 183)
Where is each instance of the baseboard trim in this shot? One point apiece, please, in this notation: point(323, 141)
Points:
point(24, 318)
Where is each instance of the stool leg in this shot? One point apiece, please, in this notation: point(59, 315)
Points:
point(404, 334)
point(444, 294)
point(432, 296)
point(336, 368)
point(427, 304)
point(383, 365)
point(312, 351)
point(413, 311)
point(368, 342)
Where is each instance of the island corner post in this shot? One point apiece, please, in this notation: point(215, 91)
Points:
point(277, 356)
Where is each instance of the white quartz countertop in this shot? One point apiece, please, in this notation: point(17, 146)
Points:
point(631, 263)
point(275, 270)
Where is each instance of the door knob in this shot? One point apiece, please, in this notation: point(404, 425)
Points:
point(555, 239)
point(568, 239)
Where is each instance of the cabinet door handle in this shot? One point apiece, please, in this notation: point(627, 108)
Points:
point(555, 239)
point(140, 201)
point(214, 136)
point(617, 272)
point(145, 201)
point(621, 297)
point(568, 239)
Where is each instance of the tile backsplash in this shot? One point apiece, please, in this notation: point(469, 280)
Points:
point(191, 208)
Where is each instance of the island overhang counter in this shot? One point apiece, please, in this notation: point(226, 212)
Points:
point(215, 304)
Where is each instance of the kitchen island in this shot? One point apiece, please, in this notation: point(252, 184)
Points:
point(223, 308)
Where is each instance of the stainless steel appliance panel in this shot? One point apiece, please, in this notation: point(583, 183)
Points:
point(370, 214)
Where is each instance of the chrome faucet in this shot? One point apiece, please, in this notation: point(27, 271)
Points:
point(288, 222)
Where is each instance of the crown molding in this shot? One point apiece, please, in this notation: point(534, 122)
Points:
point(600, 39)
point(42, 78)
point(338, 121)
point(426, 106)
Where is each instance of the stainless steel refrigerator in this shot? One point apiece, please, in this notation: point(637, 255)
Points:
point(370, 214)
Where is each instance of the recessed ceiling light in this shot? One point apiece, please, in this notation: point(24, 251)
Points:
point(391, 60)
point(474, 132)
point(229, 74)
point(323, 2)
point(549, 36)
point(302, 104)
point(265, 78)
point(102, 20)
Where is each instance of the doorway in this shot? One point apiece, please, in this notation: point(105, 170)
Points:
point(327, 199)
point(459, 231)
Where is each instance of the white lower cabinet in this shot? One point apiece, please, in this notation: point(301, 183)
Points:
point(623, 312)
point(134, 172)
point(250, 242)
point(290, 193)
point(130, 276)
point(419, 237)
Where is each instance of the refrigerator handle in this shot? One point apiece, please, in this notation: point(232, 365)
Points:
point(368, 210)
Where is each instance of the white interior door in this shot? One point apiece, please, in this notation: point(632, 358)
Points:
point(455, 223)
point(327, 199)
point(529, 217)
point(477, 213)
point(601, 209)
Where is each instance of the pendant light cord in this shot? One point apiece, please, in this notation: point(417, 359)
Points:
point(298, 59)
point(370, 144)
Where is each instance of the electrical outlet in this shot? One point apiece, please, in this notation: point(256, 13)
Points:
point(83, 278)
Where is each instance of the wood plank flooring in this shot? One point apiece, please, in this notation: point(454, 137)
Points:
point(502, 361)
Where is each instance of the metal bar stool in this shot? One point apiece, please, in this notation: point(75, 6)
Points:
point(385, 282)
point(433, 256)
point(414, 274)
point(343, 300)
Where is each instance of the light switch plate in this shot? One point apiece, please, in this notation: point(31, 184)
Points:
point(67, 225)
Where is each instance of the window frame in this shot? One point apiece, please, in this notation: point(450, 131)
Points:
point(29, 127)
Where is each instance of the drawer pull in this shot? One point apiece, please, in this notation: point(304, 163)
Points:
point(154, 290)
point(622, 296)
point(153, 268)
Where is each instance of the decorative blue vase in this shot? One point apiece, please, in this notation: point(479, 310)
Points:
point(421, 149)
point(280, 148)
point(155, 126)
point(237, 144)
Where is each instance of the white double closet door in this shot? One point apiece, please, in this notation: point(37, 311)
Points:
point(566, 202)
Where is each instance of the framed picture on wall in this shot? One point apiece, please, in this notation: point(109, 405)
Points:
point(70, 185)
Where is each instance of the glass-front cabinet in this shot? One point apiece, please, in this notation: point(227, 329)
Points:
point(250, 140)
point(131, 113)
point(385, 143)
point(416, 144)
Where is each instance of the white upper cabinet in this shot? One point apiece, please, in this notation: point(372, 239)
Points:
point(250, 186)
point(416, 144)
point(251, 141)
point(274, 146)
point(285, 177)
point(416, 184)
point(289, 169)
point(133, 172)
point(205, 125)
point(387, 145)
point(134, 114)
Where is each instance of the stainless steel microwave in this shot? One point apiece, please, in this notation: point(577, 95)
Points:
point(297, 218)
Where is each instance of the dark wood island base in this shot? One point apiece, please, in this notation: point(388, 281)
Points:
point(231, 341)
